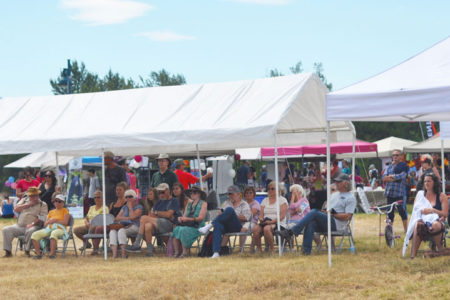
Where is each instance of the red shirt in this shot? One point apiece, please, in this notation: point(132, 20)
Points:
point(23, 185)
point(185, 178)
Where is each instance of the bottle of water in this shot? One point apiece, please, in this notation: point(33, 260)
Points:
point(352, 249)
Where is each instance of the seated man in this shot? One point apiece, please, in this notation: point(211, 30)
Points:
point(32, 214)
point(234, 214)
point(343, 205)
point(160, 220)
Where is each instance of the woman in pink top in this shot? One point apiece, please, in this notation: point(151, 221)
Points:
point(299, 205)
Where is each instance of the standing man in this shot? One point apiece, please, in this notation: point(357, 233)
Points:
point(234, 214)
point(113, 175)
point(186, 178)
point(94, 185)
point(164, 175)
point(242, 175)
point(395, 179)
point(32, 212)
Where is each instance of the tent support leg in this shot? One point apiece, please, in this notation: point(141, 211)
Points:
point(442, 166)
point(105, 248)
point(199, 169)
point(328, 194)
point(277, 192)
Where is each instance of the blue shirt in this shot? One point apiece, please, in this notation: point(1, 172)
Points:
point(126, 213)
point(396, 189)
point(172, 204)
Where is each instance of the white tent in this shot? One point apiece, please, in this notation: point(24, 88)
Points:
point(385, 148)
point(417, 89)
point(174, 119)
point(286, 110)
point(432, 144)
point(38, 159)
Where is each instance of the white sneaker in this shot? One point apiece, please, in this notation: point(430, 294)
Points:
point(205, 229)
point(215, 255)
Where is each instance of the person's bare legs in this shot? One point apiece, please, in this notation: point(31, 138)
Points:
point(257, 230)
point(123, 252)
point(415, 243)
point(148, 231)
point(52, 247)
point(176, 246)
point(405, 225)
point(114, 251)
point(242, 239)
point(268, 236)
point(435, 227)
point(37, 247)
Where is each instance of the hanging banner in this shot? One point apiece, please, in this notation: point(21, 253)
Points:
point(429, 126)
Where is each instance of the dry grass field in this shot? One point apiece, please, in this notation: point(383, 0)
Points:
point(374, 272)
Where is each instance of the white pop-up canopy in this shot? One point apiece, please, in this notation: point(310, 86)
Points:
point(432, 144)
point(37, 159)
point(417, 89)
point(215, 116)
point(385, 148)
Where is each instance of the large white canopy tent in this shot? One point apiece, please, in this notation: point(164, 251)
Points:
point(415, 90)
point(433, 144)
point(385, 148)
point(286, 110)
point(37, 159)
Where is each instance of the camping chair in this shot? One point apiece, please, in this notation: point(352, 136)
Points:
point(210, 215)
point(345, 233)
point(237, 236)
point(66, 242)
point(20, 241)
point(96, 221)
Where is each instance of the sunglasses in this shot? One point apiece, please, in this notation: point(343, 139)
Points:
point(58, 201)
point(99, 197)
point(129, 197)
point(272, 189)
point(195, 192)
point(395, 154)
point(161, 192)
point(48, 175)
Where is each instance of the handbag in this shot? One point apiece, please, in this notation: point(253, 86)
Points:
point(116, 226)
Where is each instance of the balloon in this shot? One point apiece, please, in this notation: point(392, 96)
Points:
point(238, 156)
point(14, 185)
point(202, 166)
point(138, 158)
point(230, 159)
point(209, 170)
point(11, 179)
point(232, 173)
point(186, 162)
point(7, 183)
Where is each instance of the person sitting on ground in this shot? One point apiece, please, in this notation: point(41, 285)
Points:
point(179, 194)
point(94, 211)
point(268, 217)
point(32, 212)
point(49, 187)
point(149, 202)
point(234, 213)
point(186, 178)
point(299, 205)
point(342, 207)
point(161, 220)
point(114, 209)
point(186, 232)
point(249, 196)
point(24, 184)
point(427, 220)
point(128, 217)
point(54, 227)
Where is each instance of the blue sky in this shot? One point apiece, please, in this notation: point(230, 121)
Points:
point(211, 40)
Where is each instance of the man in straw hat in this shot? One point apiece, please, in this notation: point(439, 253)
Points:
point(32, 212)
point(164, 175)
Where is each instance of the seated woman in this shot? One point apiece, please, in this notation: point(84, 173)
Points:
point(94, 211)
point(114, 209)
point(186, 232)
point(129, 217)
point(249, 197)
point(268, 217)
point(149, 201)
point(54, 227)
point(299, 206)
point(430, 206)
point(179, 194)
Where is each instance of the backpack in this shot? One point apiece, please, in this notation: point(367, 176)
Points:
point(206, 250)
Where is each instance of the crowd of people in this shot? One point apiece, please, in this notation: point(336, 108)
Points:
point(174, 209)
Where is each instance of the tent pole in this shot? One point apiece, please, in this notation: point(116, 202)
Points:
point(442, 165)
point(58, 180)
point(277, 191)
point(199, 169)
point(328, 194)
point(105, 248)
point(353, 158)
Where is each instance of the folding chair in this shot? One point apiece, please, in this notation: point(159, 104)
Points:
point(345, 233)
point(20, 241)
point(66, 242)
point(210, 215)
point(97, 221)
point(237, 236)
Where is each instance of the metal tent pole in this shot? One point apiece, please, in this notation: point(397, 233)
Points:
point(105, 248)
point(277, 191)
point(328, 194)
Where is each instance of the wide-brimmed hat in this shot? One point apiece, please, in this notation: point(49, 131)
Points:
point(162, 187)
point(196, 189)
point(163, 156)
point(33, 191)
point(342, 177)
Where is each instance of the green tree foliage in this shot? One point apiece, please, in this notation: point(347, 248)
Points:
point(162, 78)
point(83, 81)
point(374, 131)
point(298, 68)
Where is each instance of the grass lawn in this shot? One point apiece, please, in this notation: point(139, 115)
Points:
point(374, 272)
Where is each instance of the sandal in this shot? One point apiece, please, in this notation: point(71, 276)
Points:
point(37, 257)
point(52, 256)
